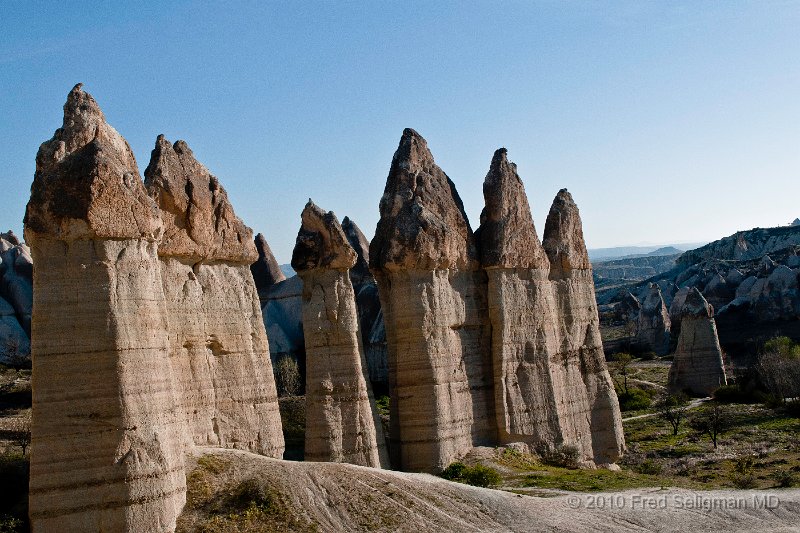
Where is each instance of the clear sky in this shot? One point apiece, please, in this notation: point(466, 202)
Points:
point(668, 121)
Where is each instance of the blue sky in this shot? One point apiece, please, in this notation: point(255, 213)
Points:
point(668, 121)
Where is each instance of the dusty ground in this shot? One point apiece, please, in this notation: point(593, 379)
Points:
point(298, 496)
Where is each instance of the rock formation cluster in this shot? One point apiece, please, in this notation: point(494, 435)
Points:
point(146, 329)
point(698, 367)
point(341, 419)
point(16, 300)
point(542, 379)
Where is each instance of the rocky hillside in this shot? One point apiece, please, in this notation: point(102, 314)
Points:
point(16, 300)
point(750, 277)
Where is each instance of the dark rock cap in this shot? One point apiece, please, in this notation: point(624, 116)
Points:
point(696, 306)
point(360, 244)
point(87, 184)
point(199, 221)
point(266, 270)
point(507, 236)
point(563, 237)
point(423, 225)
point(321, 242)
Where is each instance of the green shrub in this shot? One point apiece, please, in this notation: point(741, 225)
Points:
point(650, 467)
point(478, 475)
point(563, 455)
point(734, 394)
point(634, 400)
point(744, 481)
point(9, 524)
point(382, 405)
point(784, 478)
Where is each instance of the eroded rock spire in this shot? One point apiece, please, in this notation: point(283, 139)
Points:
point(563, 237)
point(341, 420)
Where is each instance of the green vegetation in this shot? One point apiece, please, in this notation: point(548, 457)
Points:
point(382, 405)
point(478, 475)
point(635, 399)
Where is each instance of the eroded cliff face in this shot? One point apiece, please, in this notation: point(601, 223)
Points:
point(698, 366)
point(266, 270)
point(594, 403)
point(341, 420)
point(551, 384)
point(433, 298)
point(106, 450)
point(218, 346)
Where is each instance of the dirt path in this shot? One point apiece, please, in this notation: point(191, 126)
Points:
point(694, 403)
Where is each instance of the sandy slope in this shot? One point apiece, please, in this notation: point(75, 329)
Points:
point(339, 497)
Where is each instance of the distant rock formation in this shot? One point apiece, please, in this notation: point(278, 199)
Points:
point(266, 270)
point(581, 348)
point(219, 350)
point(283, 319)
point(341, 419)
point(106, 450)
point(628, 311)
point(653, 330)
point(698, 366)
point(16, 300)
point(433, 297)
point(540, 395)
point(370, 319)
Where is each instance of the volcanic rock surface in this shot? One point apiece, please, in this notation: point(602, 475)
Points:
point(433, 298)
point(341, 420)
point(653, 331)
point(698, 367)
point(266, 270)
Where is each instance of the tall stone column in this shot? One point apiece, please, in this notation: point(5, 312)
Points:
point(433, 297)
point(105, 451)
point(594, 407)
point(698, 366)
point(218, 345)
point(653, 329)
point(532, 391)
point(341, 420)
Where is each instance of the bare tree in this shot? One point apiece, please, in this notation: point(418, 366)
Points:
point(779, 368)
point(712, 421)
point(673, 409)
point(622, 368)
point(287, 375)
point(21, 432)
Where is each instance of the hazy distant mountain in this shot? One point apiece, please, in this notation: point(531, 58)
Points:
point(629, 252)
point(287, 270)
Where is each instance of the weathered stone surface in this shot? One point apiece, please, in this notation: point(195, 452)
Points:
point(628, 310)
point(373, 334)
point(106, 452)
point(653, 329)
point(698, 366)
point(266, 270)
point(87, 184)
point(218, 346)
point(283, 319)
point(16, 279)
point(581, 348)
point(199, 222)
point(341, 419)
point(433, 297)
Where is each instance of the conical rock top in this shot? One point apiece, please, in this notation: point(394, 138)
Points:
point(507, 237)
point(423, 225)
point(199, 221)
point(87, 184)
point(696, 305)
point(321, 242)
point(360, 244)
point(563, 237)
point(266, 270)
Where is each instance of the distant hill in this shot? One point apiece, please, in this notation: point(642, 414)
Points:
point(287, 270)
point(630, 252)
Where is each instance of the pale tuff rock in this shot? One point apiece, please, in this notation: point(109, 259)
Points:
point(341, 420)
point(653, 329)
point(360, 272)
point(538, 399)
point(581, 347)
point(266, 270)
point(106, 451)
point(218, 346)
point(698, 367)
point(199, 222)
point(433, 297)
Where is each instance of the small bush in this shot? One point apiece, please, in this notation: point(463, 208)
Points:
point(564, 455)
point(382, 405)
point(650, 467)
point(733, 394)
point(287, 376)
point(478, 475)
point(744, 481)
point(634, 400)
point(784, 478)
